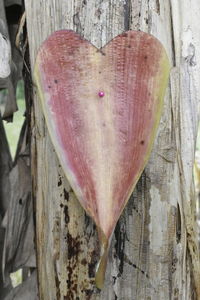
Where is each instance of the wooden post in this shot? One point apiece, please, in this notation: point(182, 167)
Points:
point(154, 252)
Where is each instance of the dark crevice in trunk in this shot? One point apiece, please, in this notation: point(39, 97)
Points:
point(127, 15)
point(173, 38)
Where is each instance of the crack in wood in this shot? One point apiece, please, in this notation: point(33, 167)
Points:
point(158, 7)
point(57, 282)
point(77, 23)
point(127, 260)
point(172, 36)
point(120, 235)
point(127, 15)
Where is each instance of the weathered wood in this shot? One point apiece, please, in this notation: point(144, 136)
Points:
point(154, 253)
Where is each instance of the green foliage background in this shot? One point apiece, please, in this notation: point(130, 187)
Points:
point(13, 129)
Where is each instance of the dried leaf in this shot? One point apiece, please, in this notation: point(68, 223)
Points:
point(102, 108)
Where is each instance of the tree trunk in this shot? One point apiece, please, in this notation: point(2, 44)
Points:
point(154, 252)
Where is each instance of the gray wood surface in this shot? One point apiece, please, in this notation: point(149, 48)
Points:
point(154, 252)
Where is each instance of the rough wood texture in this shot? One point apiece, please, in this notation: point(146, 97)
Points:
point(154, 253)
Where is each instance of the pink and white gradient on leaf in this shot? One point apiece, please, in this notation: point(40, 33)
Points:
point(102, 108)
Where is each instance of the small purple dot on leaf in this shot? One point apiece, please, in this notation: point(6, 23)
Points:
point(101, 94)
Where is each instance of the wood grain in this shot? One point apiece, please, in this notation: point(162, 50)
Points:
point(154, 252)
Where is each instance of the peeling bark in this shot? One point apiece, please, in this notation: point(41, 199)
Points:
point(154, 252)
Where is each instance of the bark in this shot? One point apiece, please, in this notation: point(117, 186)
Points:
point(154, 252)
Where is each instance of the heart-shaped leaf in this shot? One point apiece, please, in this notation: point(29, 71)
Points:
point(102, 108)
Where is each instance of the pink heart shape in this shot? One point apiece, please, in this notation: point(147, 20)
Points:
point(102, 108)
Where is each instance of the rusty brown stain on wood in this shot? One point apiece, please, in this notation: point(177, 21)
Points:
point(65, 211)
point(74, 250)
point(66, 194)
